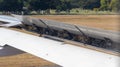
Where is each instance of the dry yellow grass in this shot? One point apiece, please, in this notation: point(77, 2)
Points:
point(108, 22)
point(23, 60)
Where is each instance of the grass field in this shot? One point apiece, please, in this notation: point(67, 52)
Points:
point(108, 22)
point(24, 60)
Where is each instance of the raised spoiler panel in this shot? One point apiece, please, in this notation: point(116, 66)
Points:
point(110, 38)
point(91, 32)
point(62, 54)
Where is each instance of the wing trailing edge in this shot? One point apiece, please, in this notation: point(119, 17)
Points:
point(62, 54)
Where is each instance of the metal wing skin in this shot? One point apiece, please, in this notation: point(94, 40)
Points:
point(108, 39)
point(65, 55)
point(8, 21)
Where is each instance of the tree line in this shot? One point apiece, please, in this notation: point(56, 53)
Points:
point(59, 5)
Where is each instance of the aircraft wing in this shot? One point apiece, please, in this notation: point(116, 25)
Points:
point(65, 55)
point(8, 21)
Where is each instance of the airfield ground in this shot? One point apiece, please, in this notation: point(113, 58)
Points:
point(108, 22)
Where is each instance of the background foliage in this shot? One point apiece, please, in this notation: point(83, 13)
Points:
point(59, 5)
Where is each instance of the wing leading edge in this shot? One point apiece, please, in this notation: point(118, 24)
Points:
point(62, 54)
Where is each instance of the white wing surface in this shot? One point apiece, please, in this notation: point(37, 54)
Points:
point(62, 54)
point(9, 21)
